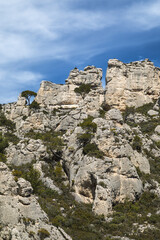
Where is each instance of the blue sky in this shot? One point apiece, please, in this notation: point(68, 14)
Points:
point(45, 39)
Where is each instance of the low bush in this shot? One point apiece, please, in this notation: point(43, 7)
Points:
point(149, 127)
point(127, 112)
point(137, 144)
point(83, 89)
point(6, 122)
point(88, 125)
point(3, 157)
point(52, 140)
point(91, 149)
point(10, 137)
point(43, 233)
point(85, 138)
point(145, 108)
point(3, 143)
point(104, 108)
point(34, 105)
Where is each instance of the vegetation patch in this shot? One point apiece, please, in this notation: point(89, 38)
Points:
point(85, 138)
point(145, 108)
point(34, 105)
point(43, 233)
point(52, 140)
point(149, 127)
point(88, 125)
point(3, 143)
point(104, 108)
point(30, 174)
point(83, 89)
point(6, 122)
point(92, 150)
point(10, 137)
point(137, 144)
point(78, 220)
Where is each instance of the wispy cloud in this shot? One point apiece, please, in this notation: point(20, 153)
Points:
point(144, 15)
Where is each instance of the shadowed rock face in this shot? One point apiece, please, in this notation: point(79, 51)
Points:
point(132, 84)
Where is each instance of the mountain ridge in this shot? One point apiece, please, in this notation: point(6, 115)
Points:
point(94, 146)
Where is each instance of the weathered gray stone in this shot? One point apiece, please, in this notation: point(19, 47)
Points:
point(152, 113)
point(115, 114)
point(132, 84)
point(25, 189)
point(157, 130)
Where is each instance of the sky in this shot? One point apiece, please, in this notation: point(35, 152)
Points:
point(46, 39)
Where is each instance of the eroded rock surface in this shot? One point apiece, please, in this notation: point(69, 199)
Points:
point(104, 154)
point(131, 84)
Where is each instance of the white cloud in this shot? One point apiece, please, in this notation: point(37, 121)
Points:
point(36, 30)
point(144, 15)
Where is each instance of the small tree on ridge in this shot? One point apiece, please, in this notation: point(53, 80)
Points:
point(28, 94)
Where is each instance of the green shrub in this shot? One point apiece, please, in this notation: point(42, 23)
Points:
point(3, 157)
point(34, 105)
point(92, 150)
point(137, 144)
point(3, 143)
point(102, 113)
point(149, 127)
point(33, 176)
point(6, 122)
point(43, 233)
point(24, 118)
point(127, 112)
point(31, 234)
point(83, 89)
point(10, 137)
point(17, 173)
point(157, 144)
point(58, 220)
point(52, 140)
point(85, 138)
point(104, 108)
point(58, 172)
point(145, 108)
point(88, 125)
point(30, 174)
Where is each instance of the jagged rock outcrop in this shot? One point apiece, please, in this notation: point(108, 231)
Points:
point(55, 95)
point(25, 152)
point(131, 84)
point(20, 213)
point(101, 154)
point(111, 179)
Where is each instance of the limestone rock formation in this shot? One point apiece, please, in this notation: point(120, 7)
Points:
point(20, 212)
point(55, 95)
point(131, 84)
point(79, 142)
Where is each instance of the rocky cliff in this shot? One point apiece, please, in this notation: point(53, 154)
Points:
point(79, 153)
point(132, 84)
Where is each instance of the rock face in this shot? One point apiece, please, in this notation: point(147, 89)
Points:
point(75, 141)
point(54, 95)
point(132, 84)
point(112, 179)
point(19, 210)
